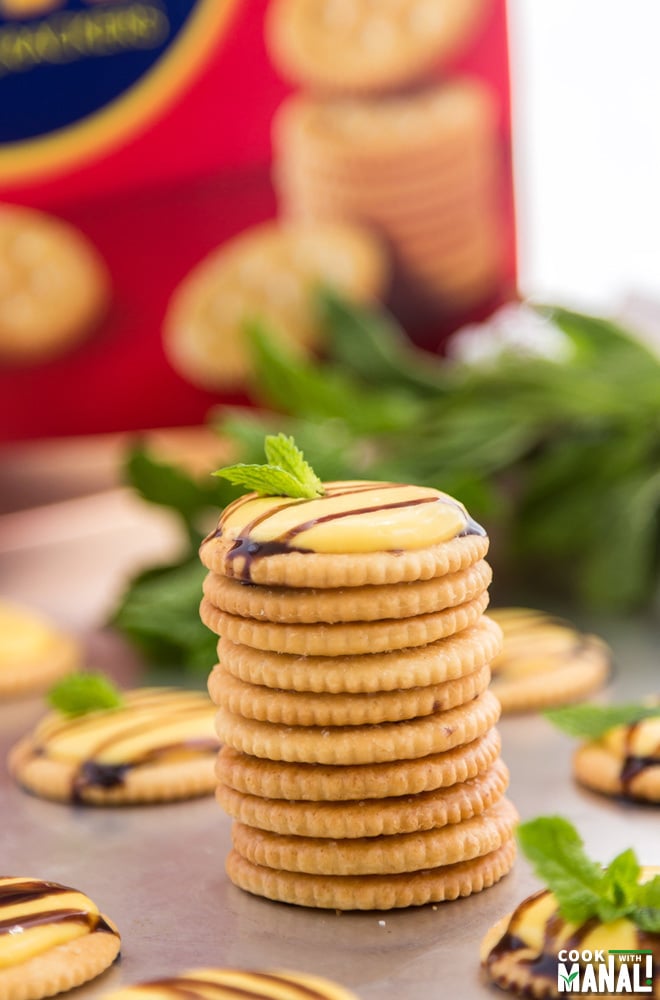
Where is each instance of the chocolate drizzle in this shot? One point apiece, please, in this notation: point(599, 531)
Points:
point(635, 764)
point(29, 890)
point(93, 921)
point(202, 988)
point(541, 964)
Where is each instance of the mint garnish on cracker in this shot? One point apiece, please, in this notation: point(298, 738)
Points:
point(81, 693)
point(286, 473)
point(592, 721)
point(583, 888)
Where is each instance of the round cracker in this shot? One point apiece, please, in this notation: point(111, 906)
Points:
point(361, 744)
point(372, 817)
point(268, 272)
point(373, 892)
point(63, 966)
point(378, 855)
point(294, 708)
point(435, 663)
point(545, 661)
point(437, 124)
point(383, 47)
point(176, 759)
point(332, 783)
point(405, 852)
point(350, 604)
point(349, 638)
point(54, 286)
point(515, 971)
point(598, 768)
point(321, 569)
point(270, 984)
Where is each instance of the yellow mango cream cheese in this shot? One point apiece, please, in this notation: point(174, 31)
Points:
point(352, 517)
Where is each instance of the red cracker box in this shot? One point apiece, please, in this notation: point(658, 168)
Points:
point(145, 126)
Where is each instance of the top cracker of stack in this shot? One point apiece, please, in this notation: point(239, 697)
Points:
point(360, 761)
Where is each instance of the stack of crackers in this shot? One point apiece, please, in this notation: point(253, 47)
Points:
point(418, 164)
point(360, 760)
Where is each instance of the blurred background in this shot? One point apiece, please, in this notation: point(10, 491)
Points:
point(213, 227)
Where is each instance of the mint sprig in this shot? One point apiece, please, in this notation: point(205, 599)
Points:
point(592, 721)
point(582, 887)
point(286, 474)
point(81, 693)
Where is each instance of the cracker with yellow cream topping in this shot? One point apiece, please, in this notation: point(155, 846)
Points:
point(359, 533)
point(158, 746)
point(587, 928)
point(624, 761)
point(224, 984)
point(52, 938)
point(520, 952)
point(545, 661)
point(33, 652)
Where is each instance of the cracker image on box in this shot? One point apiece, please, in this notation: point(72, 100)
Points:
point(54, 286)
point(620, 755)
point(157, 745)
point(545, 661)
point(421, 168)
point(223, 984)
point(269, 274)
point(52, 938)
point(579, 934)
point(360, 762)
point(34, 653)
point(358, 46)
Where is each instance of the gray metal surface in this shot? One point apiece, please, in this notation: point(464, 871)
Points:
point(158, 871)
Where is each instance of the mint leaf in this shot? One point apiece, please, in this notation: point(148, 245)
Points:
point(268, 480)
point(80, 693)
point(556, 851)
point(286, 475)
point(647, 911)
point(371, 343)
point(619, 886)
point(592, 721)
point(159, 614)
point(282, 451)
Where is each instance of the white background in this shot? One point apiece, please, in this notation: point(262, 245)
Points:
point(586, 87)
